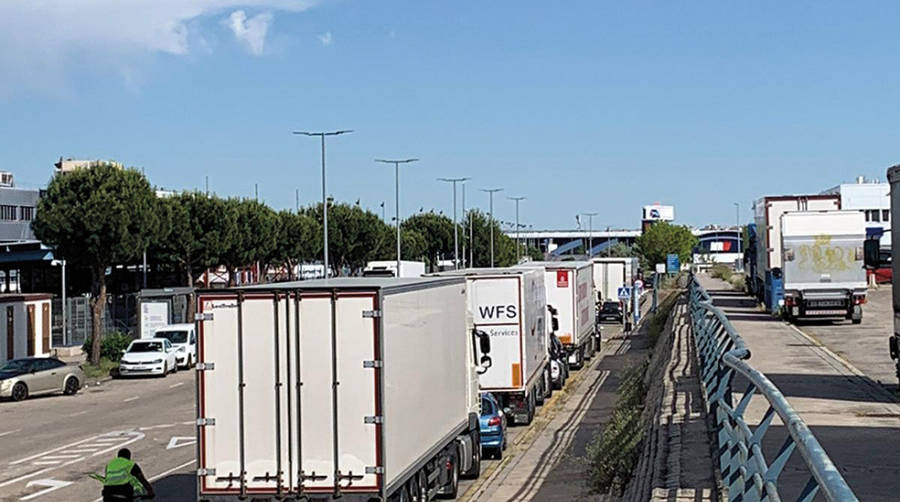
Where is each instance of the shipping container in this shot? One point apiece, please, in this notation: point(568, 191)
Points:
point(356, 389)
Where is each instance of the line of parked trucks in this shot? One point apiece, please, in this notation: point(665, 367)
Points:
point(368, 389)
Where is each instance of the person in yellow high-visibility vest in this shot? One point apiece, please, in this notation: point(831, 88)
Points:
point(124, 480)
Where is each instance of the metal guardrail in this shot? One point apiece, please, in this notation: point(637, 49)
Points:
point(745, 470)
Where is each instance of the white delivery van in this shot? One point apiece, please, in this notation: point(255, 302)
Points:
point(510, 305)
point(569, 288)
point(388, 268)
point(183, 339)
point(356, 389)
point(824, 273)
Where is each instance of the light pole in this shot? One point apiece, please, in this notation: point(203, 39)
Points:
point(518, 245)
point(455, 226)
point(491, 192)
point(324, 201)
point(590, 232)
point(464, 229)
point(396, 198)
point(737, 221)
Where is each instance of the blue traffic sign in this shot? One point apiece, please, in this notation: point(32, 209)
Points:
point(673, 264)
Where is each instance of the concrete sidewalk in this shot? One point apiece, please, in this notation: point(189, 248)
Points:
point(855, 420)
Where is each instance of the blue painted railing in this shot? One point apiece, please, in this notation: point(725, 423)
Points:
point(746, 472)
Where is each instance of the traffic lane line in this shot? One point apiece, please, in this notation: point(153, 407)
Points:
point(132, 398)
point(7, 433)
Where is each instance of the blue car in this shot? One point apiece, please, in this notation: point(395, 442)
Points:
point(493, 427)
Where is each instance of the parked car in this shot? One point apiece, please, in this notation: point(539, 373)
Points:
point(493, 426)
point(149, 356)
point(611, 310)
point(33, 376)
point(184, 340)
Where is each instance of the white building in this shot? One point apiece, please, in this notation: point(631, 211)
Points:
point(872, 198)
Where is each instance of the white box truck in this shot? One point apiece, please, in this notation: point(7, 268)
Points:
point(822, 261)
point(388, 268)
point(510, 305)
point(353, 389)
point(569, 287)
point(610, 274)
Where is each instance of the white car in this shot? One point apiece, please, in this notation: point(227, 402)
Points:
point(184, 340)
point(149, 356)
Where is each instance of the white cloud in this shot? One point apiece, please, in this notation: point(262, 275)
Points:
point(39, 40)
point(252, 31)
point(325, 38)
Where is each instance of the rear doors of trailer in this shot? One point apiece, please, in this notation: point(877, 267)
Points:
point(262, 367)
point(509, 308)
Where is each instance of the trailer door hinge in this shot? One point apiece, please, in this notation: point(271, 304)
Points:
point(206, 422)
point(205, 366)
point(203, 316)
point(377, 419)
point(371, 313)
point(373, 364)
point(206, 472)
point(374, 470)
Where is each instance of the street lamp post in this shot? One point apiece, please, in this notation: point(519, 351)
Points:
point(518, 244)
point(737, 221)
point(590, 232)
point(491, 192)
point(396, 199)
point(322, 135)
point(455, 226)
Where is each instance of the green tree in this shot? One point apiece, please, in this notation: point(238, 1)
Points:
point(299, 239)
point(255, 234)
point(619, 250)
point(200, 228)
point(355, 236)
point(94, 218)
point(662, 239)
point(504, 246)
point(437, 232)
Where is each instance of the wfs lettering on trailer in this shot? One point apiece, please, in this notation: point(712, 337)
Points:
point(498, 312)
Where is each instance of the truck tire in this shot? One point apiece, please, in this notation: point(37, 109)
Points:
point(451, 489)
point(475, 471)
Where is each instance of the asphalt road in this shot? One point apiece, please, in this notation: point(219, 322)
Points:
point(49, 445)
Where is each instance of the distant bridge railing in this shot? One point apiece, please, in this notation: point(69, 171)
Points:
point(745, 470)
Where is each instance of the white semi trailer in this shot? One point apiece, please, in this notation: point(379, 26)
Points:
point(510, 305)
point(610, 274)
point(354, 389)
point(569, 287)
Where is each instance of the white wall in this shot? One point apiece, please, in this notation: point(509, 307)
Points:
point(20, 329)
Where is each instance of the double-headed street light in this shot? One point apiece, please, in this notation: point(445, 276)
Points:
point(590, 232)
point(322, 135)
point(455, 226)
point(397, 198)
point(518, 245)
point(491, 192)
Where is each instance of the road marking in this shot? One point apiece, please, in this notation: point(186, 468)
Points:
point(130, 399)
point(60, 457)
point(179, 384)
point(47, 462)
point(78, 413)
point(51, 484)
point(179, 441)
point(7, 433)
point(152, 427)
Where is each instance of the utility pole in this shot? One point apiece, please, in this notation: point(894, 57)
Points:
point(518, 244)
point(737, 221)
point(464, 228)
point(207, 185)
point(590, 232)
point(297, 197)
point(455, 226)
point(256, 191)
point(491, 192)
point(396, 199)
point(324, 199)
point(608, 245)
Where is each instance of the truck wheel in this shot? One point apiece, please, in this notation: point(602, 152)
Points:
point(451, 489)
point(475, 471)
point(539, 392)
point(415, 492)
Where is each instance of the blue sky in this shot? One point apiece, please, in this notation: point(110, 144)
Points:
point(580, 106)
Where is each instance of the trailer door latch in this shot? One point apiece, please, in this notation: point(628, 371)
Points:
point(371, 314)
point(376, 419)
point(203, 316)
